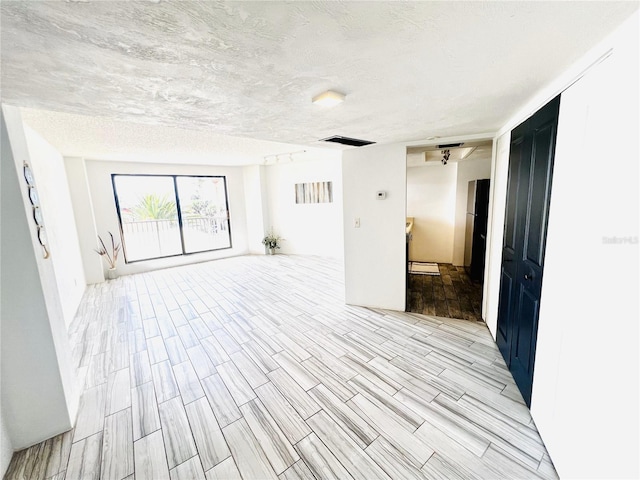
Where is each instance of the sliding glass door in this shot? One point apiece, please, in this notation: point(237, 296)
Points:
point(168, 215)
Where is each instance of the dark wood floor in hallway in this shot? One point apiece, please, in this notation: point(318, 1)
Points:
point(254, 368)
point(451, 294)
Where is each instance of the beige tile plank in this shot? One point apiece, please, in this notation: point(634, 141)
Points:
point(358, 464)
point(157, 350)
point(149, 458)
point(188, 383)
point(224, 408)
point(294, 393)
point(58, 453)
point(355, 426)
point(214, 350)
point(287, 418)
point(118, 391)
point(189, 470)
point(140, 368)
point(415, 450)
point(90, 418)
point(144, 411)
point(238, 387)
point(439, 468)
point(201, 362)
point(84, 459)
point(249, 370)
point(212, 447)
point(289, 345)
point(164, 381)
point(506, 463)
point(178, 440)
point(409, 418)
point(175, 350)
point(392, 461)
point(322, 463)
point(228, 343)
point(261, 358)
point(117, 446)
point(225, 470)
point(457, 427)
point(188, 336)
point(373, 373)
point(247, 452)
point(273, 441)
point(300, 374)
point(329, 379)
point(297, 471)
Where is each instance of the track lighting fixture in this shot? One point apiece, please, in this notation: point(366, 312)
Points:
point(445, 156)
point(281, 157)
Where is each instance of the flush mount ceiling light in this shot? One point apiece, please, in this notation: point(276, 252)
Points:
point(328, 98)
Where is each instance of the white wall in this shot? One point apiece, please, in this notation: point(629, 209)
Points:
point(255, 192)
point(311, 228)
point(39, 394)
point(99, 178)
point(495, 230)
point(85, 221)
point(6, 448)
point(431, 200)
point(472, 168)
point(374, 254)
point(48, 167)
point(588, 334)
point(585, 389)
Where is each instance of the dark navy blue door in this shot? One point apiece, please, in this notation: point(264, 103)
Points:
point(528, 193)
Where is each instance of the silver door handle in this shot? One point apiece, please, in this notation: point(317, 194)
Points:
point(528, 277)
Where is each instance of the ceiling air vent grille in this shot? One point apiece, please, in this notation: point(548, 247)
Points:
point(352, 142)
point(451, 145)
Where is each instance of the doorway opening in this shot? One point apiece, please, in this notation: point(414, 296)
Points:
point(447, 206)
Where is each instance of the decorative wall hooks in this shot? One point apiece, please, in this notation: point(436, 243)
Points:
point(35, 205)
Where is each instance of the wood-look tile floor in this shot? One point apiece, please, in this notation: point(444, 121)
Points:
point(252, 367)
point(451, 294)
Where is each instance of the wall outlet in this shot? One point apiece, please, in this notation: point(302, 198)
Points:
point(356, 223)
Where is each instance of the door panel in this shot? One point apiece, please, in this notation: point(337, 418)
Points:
point(512, 194)
point(527, 209)
point(524, 341)
point(509, 265)
point(504, 327)
point(540, 181)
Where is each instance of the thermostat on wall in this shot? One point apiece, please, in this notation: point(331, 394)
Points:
point(381, 195)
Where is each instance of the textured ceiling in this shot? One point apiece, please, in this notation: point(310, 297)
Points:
point(111, 139)
point(250, 69)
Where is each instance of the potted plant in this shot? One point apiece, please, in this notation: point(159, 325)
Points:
point(110, 255)
point(271, 241)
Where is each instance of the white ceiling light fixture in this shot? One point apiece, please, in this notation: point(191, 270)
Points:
point(328, 98)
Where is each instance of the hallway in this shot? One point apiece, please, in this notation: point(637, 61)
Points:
point(451, 294)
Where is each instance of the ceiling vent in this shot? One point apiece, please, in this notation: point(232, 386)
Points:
point(451, 145)
point(352, 142)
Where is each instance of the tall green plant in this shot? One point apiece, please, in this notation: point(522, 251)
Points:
point(155, 207)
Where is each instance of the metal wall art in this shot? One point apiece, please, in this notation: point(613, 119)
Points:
point(35, 205)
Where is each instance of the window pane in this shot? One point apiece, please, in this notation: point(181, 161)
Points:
point(203, 205)
point(149, 216)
